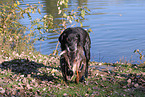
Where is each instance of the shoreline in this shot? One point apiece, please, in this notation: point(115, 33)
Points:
point(40, 75)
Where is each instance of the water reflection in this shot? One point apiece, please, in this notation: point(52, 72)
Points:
point(50, 7)
point(78, 2)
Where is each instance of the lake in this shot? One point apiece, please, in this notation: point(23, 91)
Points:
point(118, 28)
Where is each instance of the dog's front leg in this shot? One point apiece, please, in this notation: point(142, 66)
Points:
point(64, 68)
point(82, 71)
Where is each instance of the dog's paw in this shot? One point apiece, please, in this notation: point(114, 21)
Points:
point(82, 79)
point(77, 79)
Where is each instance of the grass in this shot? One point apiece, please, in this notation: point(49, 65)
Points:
point(39, 75)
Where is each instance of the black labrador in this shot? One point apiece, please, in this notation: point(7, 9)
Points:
point(75, 46)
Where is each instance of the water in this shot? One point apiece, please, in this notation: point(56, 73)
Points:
point(118, 27)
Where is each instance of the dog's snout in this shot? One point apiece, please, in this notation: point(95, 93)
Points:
point(71, 48)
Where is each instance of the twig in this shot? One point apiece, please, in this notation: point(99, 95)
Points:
point(56, 48)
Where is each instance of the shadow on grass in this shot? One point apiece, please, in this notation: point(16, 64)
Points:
point(25, 67)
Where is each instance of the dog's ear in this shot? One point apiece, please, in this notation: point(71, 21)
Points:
point(61, 37)
point(78, 36)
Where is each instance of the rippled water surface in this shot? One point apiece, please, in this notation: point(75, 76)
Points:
point(118, 27)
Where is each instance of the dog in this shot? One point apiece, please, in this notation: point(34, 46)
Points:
point(75, 45)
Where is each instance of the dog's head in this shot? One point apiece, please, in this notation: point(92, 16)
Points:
point(69, 41)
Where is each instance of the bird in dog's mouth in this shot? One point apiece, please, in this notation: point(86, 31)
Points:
point(71, 59)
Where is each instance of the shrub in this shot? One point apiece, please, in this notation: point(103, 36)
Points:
point(13, 35)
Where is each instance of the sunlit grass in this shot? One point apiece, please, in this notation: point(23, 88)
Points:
point(48, 81)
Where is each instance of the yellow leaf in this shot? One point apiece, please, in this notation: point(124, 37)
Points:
point(29, 10)
point(15, 5)
point(83, 13)
point(39, 11)
point(18, 2)
point(81, 24)
point(53, 71)
point(64, 14)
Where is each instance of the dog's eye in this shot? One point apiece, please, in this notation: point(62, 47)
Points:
point(68, 40)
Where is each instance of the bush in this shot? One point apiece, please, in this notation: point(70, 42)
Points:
point(12, 32)
point(13, 35)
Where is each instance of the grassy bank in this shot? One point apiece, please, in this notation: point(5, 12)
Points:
point(34, 74)
point(24, 72)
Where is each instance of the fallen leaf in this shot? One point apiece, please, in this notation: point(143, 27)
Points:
point(129, 81)
point(64, 94)
point(2, 91)
point(136, 85)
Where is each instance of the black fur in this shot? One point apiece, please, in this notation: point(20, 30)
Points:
point(70, 39)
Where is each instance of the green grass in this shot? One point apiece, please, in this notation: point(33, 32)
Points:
point(45, 79)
